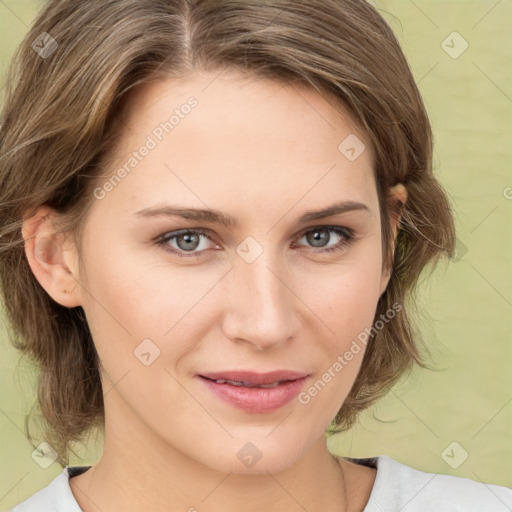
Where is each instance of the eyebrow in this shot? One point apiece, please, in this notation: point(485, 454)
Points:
point(217, 217)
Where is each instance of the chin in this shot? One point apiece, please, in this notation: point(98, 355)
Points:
point(259, 456)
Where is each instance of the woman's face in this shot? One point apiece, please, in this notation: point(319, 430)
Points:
point(261, 294)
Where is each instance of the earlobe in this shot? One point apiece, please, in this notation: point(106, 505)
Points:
point(397, 200)
point(384, 281)
point(397, 195)
point(51, 257)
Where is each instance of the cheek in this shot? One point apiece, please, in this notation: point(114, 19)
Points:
point(121, 309)
point(141, 298)
point(344, 297)
point(138, 306)
point(344, 302)
point(345, 307)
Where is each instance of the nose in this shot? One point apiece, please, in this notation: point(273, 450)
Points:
point(261, 310)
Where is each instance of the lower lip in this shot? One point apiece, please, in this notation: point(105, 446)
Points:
point(256, 400)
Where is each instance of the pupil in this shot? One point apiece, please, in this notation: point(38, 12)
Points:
point(189, 239)
point(318, 236)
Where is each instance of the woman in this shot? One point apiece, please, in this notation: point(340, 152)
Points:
point(215, 211)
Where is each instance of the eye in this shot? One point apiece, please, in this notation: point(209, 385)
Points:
point(319, 237)
point(188, 242)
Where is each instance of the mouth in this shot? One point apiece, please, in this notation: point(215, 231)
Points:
point(255, 392)
point(254, 379)
point(246, 384)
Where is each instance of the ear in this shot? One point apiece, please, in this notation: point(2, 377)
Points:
point(397, 194)
point(52, 257)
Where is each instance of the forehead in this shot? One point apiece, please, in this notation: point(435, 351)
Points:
point(222, 137)
point(242, 101)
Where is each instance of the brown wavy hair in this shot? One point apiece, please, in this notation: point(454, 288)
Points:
point(60, 122)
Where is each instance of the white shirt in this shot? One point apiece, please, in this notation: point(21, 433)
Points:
point(397, 488)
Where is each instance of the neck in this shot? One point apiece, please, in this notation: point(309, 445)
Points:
point(140, 471)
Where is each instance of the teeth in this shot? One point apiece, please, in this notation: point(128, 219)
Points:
point(248, 384)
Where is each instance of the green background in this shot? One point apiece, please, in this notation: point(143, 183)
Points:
point(465, 306)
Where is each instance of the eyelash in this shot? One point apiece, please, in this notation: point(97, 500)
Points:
point(346, 233)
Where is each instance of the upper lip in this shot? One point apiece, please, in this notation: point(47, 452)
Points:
point(254, 377)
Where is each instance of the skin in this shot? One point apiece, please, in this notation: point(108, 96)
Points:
point(265, 153)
